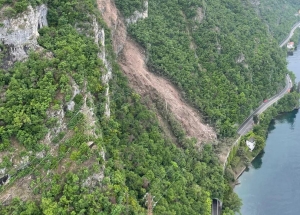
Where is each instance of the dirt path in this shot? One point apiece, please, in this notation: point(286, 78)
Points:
point(132, 62)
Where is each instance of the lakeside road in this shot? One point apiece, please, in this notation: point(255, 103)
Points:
point(290, 35)
point(248, 123)
point(271, 186)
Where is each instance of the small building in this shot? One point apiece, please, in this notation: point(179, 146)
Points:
point(250, 143)
point(290, 45)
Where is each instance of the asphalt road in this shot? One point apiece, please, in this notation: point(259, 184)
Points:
point(290, 34)
point(248, 123)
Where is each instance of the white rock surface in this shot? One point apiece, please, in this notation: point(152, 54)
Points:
point(138, 15)
point(100, 36)
point(200, 15)
point(255, 2)
point(20, 34)
point(2, 171)
point(71, 105)
point(241, 58)
point(76, 91)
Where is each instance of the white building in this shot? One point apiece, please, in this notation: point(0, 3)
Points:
point(290, 45)
point(250, 143)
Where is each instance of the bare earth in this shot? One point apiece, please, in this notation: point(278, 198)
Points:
point(132, 62)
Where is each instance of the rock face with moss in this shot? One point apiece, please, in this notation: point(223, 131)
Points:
point(19, 34)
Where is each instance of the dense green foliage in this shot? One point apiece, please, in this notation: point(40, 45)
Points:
point(17, 6)
point(279, 16)
point(70, 12)
point(295, 38)
point(128, 7)
point(225, 63)
point(138, 158)
point(31, 86)
point(30, 89)
point(182, 180)
point(240, 155)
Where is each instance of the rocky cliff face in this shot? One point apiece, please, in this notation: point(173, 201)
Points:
point(20, 34)
point(99, 36)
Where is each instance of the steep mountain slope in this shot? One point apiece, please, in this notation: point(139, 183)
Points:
point(278, 15)
point(217, 52)
point(76, 132)
point(146, 83)
point(76, 139)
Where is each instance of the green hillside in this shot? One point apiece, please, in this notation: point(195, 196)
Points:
point(226, 64)
point(218, 53)
point(278, 15)
point(138, 158)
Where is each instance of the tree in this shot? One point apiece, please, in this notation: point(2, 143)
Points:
point(255, 119)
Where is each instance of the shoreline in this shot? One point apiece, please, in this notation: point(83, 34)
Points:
point(236, 179)
point(240, 173)
point(243, 170)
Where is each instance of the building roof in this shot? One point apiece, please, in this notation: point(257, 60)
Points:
point(290, 45)
point(251, 143)
point(251, 140)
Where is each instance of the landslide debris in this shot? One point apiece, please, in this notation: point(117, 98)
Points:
point(131, 58)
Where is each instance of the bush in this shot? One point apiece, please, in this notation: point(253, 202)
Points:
point(9, 12)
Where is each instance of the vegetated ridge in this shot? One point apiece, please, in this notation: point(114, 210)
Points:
point(75, 138)
point(231, 66)
point(279, 16)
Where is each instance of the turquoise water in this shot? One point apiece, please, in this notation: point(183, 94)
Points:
point(271, 186)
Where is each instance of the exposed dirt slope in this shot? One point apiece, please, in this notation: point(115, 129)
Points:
point(132, 62)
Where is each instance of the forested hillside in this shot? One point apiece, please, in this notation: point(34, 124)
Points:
point(217, 52)
point(76, 139)
point(63, 155)
point(278, 15)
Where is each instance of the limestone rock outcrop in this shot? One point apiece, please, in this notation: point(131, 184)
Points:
point(138, 15)
point(19, 34)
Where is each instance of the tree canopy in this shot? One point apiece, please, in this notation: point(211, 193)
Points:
point(133, 156)
point(217, 52)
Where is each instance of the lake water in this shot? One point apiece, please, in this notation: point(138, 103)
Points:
point(271, 186)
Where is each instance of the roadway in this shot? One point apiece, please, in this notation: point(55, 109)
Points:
point(248, 123)
point(290, 34)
